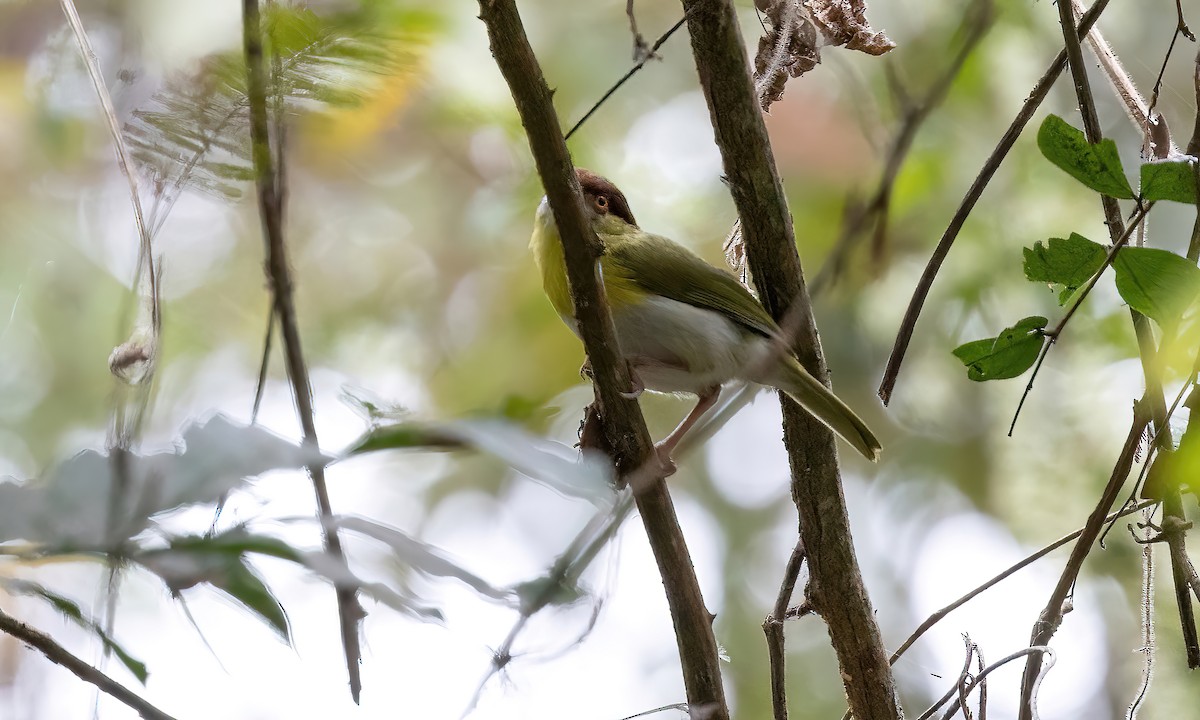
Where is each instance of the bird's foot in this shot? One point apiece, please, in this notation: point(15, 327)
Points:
point(637, 386)
point(585, 370)
point(666, 465)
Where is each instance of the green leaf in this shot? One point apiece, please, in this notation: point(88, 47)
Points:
point(1005, 356)
point(1068, 262)
point(219, 560)
point(1157, 283)
point(1170, 180)
point(405, 436)
point(1097, 166)
point(73, 612)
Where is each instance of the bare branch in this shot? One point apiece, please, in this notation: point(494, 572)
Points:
point(59, 655)
point(773, 628)
point(270, 204)
point(1051, 616)
point(625, 78)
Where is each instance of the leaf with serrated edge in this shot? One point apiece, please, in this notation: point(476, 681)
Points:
point(1096, 166)
point(1068, 262)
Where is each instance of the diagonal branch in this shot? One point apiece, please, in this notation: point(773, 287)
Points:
point(1052, 615)
point(59, 655)
point(836, 589)
point(270, 205)
point(623, 425)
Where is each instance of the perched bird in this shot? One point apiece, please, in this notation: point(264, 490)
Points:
point(683, 325)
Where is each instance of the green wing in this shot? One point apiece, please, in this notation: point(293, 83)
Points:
point(639, 261)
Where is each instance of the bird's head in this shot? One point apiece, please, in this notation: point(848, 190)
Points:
point(604, 204)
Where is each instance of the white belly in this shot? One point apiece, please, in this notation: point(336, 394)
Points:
point(676, 347)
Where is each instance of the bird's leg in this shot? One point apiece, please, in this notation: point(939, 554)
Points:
point(666, 446)
point(638, 387)
point(585, 371)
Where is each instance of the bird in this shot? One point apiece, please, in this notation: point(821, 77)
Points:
point(683, 325)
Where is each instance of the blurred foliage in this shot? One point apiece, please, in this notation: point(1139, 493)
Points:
point(411, 198)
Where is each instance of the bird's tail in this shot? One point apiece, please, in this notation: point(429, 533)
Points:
point(790, 377)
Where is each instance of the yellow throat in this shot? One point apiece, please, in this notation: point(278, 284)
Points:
point(548, 254)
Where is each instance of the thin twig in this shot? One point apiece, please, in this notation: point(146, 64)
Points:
point(263, 366)
point(271, 203)
point(1053, 334)
point(1147, 624)
point(59, 655)
point(129, 412)
point(623, 425)
point(1028, 560)
point(773, 628)
point(625, 78)
point(979, 679)
point(640, 51)
point(1051, 616)
point(124, 162)
point(921, 292)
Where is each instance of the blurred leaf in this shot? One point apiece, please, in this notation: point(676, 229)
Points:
point(195, 132)
point(73, 612)
point(1170, 180)
point(587, 476)
point(1068, 262)
point(70, 508)
point(404, 436)
point(220, 561)
point(1097, 166)
point(1157, 283)
point(547, 590)
point(421, 556)
point(336, 571)
point(1005, 356)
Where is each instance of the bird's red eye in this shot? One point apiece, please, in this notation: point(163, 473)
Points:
point(601, 203)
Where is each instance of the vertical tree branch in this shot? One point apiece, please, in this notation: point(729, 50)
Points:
point(623, 425)
point(836, 589)
point(270, 206)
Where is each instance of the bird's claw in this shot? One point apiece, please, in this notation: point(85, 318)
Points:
point(666, 465)
point(637, 386)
